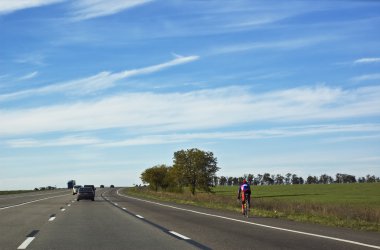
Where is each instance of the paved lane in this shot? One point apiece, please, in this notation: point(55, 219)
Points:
point(100, 225)
point(235, 233)
point(18, 221)
point(7, 201)
point(60, 222)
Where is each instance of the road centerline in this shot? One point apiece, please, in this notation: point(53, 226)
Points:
point(29, 238)
point(180, 235)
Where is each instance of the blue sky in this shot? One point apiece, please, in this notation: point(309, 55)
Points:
point(98, 91)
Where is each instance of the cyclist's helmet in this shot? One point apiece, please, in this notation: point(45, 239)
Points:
point(244, 181)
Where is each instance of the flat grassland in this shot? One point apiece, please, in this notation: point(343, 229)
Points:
point(354, 205)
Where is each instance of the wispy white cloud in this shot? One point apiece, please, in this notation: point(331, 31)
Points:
point(206, 109)
point(101, 81)
point(353, 138)
point(9, 6)
point(367, 60)
point(158, 139)
point(28, 76)
point(283, 45)
point(64, 141)
point(31, 58)
point(87, 9)
point(282, 132)
point(367, 77)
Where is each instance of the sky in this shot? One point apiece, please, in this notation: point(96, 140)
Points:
point(98, 91)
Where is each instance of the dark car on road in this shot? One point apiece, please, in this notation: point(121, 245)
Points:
point(91, 186)
point(86, 193)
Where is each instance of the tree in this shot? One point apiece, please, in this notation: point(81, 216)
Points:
point(370, 178)
point(345, 178)
point(267, 180)
point(250, 178)
point(279, 180)
point(230, 180)
point(259, 179)
point(156, 176)
point(312, 180)
point(235, 181)
point(196, 168)
point(222, 181)
point(295, 179)
point(287, 179)
point(325, 179)
point(216, 181)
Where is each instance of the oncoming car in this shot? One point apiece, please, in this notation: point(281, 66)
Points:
point(86, 193)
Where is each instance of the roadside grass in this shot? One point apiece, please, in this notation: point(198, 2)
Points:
point(15, 192)
point(355, 206)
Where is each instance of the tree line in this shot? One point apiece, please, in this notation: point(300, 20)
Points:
point(196, 169)
point(289, 178)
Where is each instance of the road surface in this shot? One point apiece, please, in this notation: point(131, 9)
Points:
point(55, 220)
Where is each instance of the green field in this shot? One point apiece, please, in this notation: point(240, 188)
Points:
point(346, 205)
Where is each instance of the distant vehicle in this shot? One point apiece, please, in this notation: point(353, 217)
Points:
point(75, 189)
point(91, 186)
point(101, 186)
point(112, 186)
point(86, 193)
point(70, 184)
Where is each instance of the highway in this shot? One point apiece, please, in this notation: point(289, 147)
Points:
point(55, 220)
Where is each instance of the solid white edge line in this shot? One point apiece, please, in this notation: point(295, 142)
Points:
point(26, 243)
point(139, 216)
point(256, 224)
point(180, 235)
point(52, 218)
point(24, 203)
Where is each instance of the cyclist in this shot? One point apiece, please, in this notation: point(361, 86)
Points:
point(243, 189)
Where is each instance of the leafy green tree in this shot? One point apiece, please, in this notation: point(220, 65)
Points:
point(156, 176)
point(325, 179)
point(250, 178)
point(279, 179)
point(267, 179)
point(223, 181)
point(288, 179)
point(196, 168)
point(312, 180)
point(230, 181)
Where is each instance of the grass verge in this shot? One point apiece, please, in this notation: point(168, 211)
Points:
point(15, 192)
point(355, 206)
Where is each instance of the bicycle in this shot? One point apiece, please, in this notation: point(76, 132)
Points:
point(246, 205)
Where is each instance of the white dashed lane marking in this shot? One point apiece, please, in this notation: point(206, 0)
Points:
point(179, 235)
point(52, 217)
point(139, 216)
point(29, 238)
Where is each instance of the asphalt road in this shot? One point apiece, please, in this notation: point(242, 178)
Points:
point(55, 220)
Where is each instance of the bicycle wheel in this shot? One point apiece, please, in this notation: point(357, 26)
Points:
point(246, 206)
